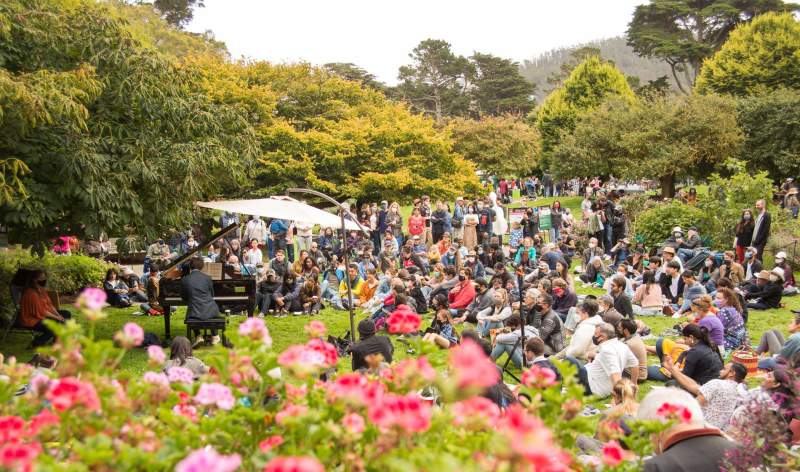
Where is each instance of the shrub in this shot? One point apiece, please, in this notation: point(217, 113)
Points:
point(655, 225)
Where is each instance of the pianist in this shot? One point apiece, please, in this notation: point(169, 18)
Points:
point(197, 290)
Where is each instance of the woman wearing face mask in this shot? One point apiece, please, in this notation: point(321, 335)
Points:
point(494, 316)
point(744, 233)
point(36, 306)
point(729, 313)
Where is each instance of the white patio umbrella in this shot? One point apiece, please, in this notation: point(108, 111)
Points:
point(282, 207)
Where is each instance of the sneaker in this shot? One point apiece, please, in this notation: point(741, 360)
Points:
point(198, 342)
point(137, 313)
point(261, 315)
point(215, 340)
point(297, 313)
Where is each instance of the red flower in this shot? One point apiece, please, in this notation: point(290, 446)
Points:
point(674, 412)
point(477, 411)
point(470, 366)
point(41, 420)
point(530, 438)
point(409, 413)
point(403, 320)
point(411, 369)
point(18, 456)
point(270, 443)
point(328, 350)
point(538, 377)
point(612, 454)
point(12, 428)
point(349, 386)
point(69, 391)
point(294, 464)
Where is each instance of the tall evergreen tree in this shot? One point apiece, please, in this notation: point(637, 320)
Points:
point(498, 88)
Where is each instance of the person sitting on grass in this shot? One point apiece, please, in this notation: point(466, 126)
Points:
point(356, 284)
point(484, 298)
point(310, 296)
point(611, 360)
point(594, 272)
point(702, 360)
point(508, 340)
point(116, 290)
point(729, 313)
point(441, 332)
point(648, 300)
point(287, 297)
point(580, 345)
point(36, 306)
point(622, 303)
point(462, 294)
point(692, 289)
point(789, 285)
point(767, 292)
point(607, 312)
point(369, 344)
point(549, 324)
point(563, 298)
point(671, 282)
point(534, 356)
point(686, 446)
point(772, 342)
point(623, 410)
point(493, 316)
point(181, 356)
point(136, 291)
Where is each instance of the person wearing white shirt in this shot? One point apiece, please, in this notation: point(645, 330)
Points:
point(612, 358)
point(253, 255)
point(256, 229)
point(581, 343)
point(492, 317)
point(303, 235)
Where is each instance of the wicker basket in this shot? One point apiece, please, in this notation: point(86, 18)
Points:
point(746, 357)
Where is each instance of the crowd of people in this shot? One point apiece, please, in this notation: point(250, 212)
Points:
point(512, 287)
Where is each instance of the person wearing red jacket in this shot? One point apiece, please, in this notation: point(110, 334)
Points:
point(462, 294)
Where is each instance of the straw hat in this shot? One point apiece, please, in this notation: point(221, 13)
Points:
point(792, 191)
point(763, 275)
point(779, 272)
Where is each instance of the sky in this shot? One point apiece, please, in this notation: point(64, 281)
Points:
point(378, 35)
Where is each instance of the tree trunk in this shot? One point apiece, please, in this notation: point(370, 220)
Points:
point(668, 186)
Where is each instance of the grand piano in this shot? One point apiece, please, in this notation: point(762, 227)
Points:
point(234, 292)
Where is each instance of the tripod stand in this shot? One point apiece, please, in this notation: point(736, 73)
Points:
point(523, 323)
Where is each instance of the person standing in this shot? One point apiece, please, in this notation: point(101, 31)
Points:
point(744, 234)
point(761, 229)
point(303, 235)
point(256, 229)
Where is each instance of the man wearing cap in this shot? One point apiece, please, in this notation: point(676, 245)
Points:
point(669, 255)
point(687, 247)
point(789, 287)
point(136, 291)
point(761, 230)
point(390, 246)
point(369, 344)
point(767, 291)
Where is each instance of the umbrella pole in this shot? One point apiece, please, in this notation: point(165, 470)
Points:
point(345, 252)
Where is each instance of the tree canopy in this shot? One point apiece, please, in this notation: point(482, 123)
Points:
point(498, 87)
point(759, 56)
point(589, 84)
point(771, 124)
point(502, 145)
point(685, 32)
point(661, 138)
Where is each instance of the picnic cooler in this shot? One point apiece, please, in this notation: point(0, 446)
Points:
point(747, 357)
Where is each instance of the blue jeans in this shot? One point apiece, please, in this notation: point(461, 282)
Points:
point(484, 329)
point(654, 373)
point(331, 294)
point(608, 235)
point(500, 348)
point(685, 254)
point(554, 234)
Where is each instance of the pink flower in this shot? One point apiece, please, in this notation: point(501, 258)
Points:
point(131, 335)
point(19, 456)
point(353, 423)
point(11, 428)
point(290, 411)
point(408, 413)
point(69, 391)
point(270, 443)
point(295, 393)
point(255, 329)
point(326, 349)
point(612, 454)
point(93, 299)
point(316, 329)
point(669, 411)
point(185, 410)
point(349, 386)
point(215, 394)
point(156, 378)
point(156, 354)
point(470, 366)
point(301, 360)
point(209, 460)
point(403, 320)
point(42, 420)
point(529, 437)
point(478, 412)
point(180, 375)
point(294, 464)
point(40, 384)
point(538, 377)
point(414, 369)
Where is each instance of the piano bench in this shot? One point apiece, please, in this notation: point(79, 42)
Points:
point(218, 324)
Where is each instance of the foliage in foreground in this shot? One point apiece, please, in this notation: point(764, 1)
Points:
point(261, 409)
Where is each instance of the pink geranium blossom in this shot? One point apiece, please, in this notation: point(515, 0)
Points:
point(612, 454)
point(403, 320)
point(156, 354)
point(209, 460)
point(408, 413)
point(354, 423)
point(670, 411)
point(290, 411)
point(270, 443)
point(69, 392)
point(93, 299)
point(349, 386)
point(328, 350)
point(471, 367)
point(12, 428)
point(215, 394)
point(180, 374)
point(316, 329)
point(187, 411)
point(538, 377)
point(156, 378)
point(410, 370)
point(294, 464)
point(42, 420)
point(131, 335)
point(477, 412)
point(19, 456)
point(529, 437)
point(255, 329)
point(301, 360)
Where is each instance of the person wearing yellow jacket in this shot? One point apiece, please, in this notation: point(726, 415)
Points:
point(356, 284)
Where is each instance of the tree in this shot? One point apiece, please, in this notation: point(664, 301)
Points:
point(589, 84)
point(771, 124)
point(112, 135)
point(177, 12)
point(501, 145)
point(662, 138)
point(575, 58)
point(498, 88)
point(684, 32)
point(350, 71)
point(320, 131)
point(436, 81)
point(758, 56)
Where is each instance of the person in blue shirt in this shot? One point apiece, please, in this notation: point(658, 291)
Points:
point(278, 228)
point(441, 331)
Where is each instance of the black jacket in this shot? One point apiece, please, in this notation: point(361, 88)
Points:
point(198, 291)
point(665, 282)
point(769, 294)
point(623, 305)
point(760, 238)
point(371, 345)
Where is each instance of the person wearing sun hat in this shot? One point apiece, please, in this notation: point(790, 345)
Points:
point(789, 286)
point(792, 202)
point(767, 292)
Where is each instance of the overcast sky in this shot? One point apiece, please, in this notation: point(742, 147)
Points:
point(378, 35)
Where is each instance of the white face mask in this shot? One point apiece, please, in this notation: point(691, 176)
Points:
point(709, 263)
